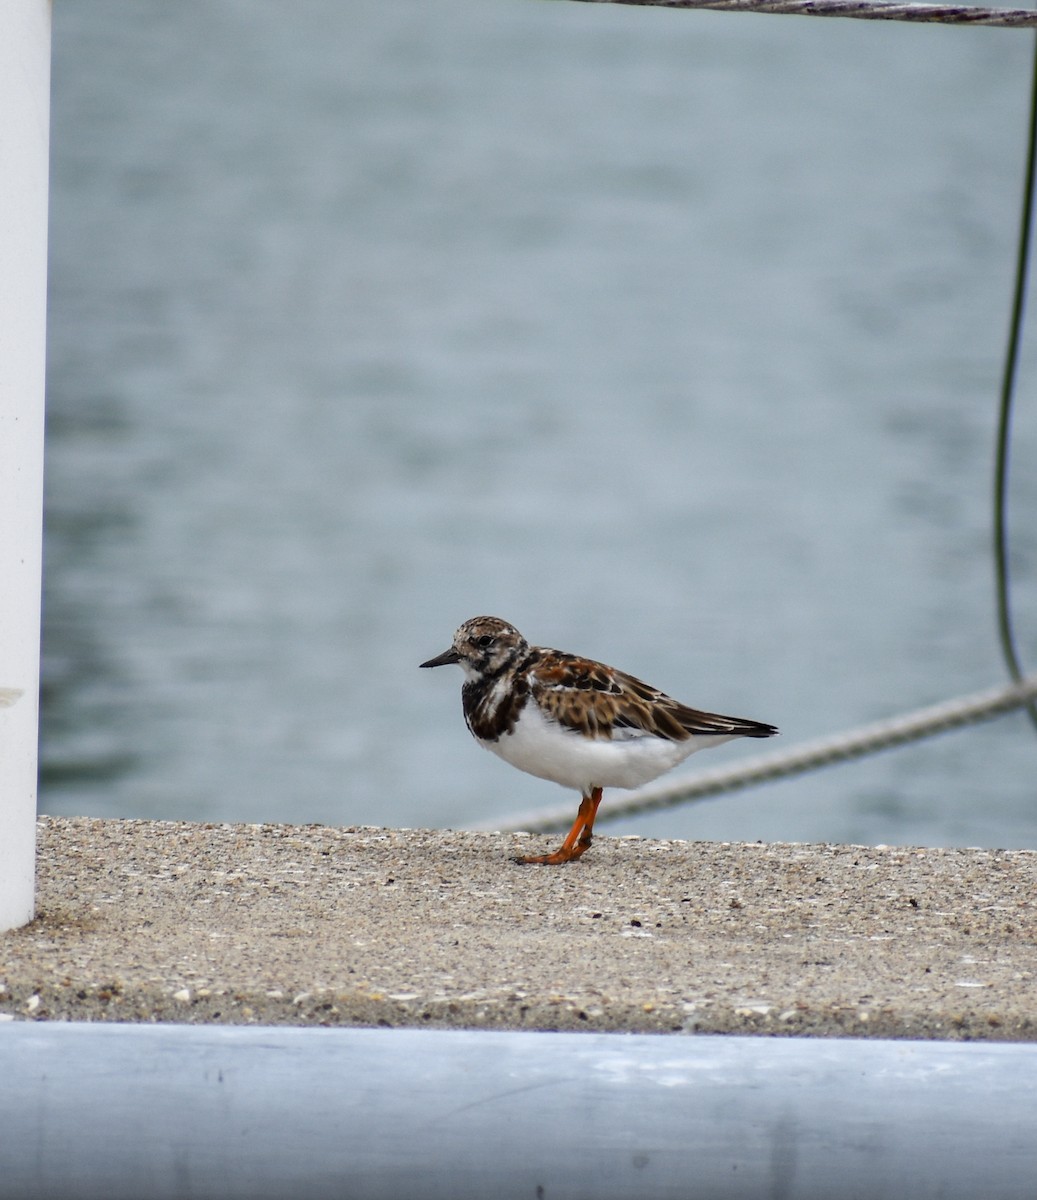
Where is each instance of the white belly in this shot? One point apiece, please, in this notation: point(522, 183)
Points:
point(550, 751)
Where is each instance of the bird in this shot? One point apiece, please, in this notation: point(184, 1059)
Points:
point(574, 721)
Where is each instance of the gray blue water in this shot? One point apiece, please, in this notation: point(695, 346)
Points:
point(671, 337)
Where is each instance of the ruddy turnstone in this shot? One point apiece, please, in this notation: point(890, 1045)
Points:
point(575, 721)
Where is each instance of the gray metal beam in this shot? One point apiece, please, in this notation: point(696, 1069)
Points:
point(187, 1112)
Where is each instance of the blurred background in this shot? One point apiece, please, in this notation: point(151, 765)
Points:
point(673, 338)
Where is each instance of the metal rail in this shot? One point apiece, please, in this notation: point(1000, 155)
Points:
point(175, 1111)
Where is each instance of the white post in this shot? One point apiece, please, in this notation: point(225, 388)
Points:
point(24, 147)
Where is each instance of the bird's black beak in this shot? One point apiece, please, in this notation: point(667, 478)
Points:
point(442, 660)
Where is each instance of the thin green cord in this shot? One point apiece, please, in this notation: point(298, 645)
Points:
point(1004, 608)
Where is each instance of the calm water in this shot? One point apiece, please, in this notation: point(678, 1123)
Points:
point(673, 338)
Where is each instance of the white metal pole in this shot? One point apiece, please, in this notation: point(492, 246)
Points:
point(24, 146)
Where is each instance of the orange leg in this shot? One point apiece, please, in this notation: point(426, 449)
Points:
point(577, 840)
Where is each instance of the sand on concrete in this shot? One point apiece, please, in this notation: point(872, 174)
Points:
point(313, 925)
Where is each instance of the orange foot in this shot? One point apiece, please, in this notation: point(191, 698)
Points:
point(577, 840)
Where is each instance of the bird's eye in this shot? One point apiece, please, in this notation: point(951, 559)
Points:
point(485, 641)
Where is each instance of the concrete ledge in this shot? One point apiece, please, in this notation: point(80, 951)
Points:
point(310, 925)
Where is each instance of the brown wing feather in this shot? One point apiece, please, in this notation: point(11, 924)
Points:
point(597, 701)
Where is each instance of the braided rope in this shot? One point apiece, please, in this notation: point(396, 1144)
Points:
point(869, 10)
point(809, 756)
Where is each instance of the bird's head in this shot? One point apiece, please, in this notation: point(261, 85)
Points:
point(482, 646)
